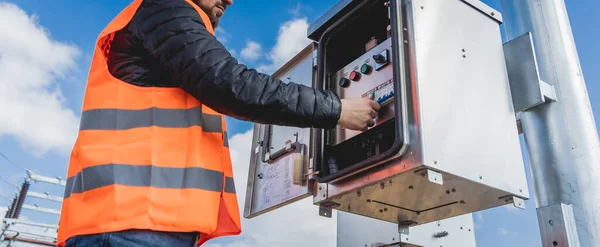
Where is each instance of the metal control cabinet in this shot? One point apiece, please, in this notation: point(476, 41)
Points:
point(446, 141)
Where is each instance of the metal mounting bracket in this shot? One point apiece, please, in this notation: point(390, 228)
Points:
point(519, 123)
point(516, 201)
point(325, 212)
point(527, 88)
point(326, 209)
point(404, 226)
point(432, 176)
point(557, 225)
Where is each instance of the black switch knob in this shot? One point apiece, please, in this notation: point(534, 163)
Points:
point(380, 59)
point(344, 82)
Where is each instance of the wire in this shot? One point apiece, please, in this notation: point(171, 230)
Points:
point(5, 198)
point(15, 165)
point(10, 162)
point(9, 183)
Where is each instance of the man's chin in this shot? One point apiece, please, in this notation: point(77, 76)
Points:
point(214, 21)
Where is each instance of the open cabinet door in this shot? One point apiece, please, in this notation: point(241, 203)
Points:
point(280, 156)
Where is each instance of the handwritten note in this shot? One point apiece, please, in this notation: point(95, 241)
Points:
point(277, 183)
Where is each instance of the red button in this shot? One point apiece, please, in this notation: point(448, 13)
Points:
point(355, 76)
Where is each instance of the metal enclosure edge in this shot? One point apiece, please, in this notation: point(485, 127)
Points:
point(273, 181)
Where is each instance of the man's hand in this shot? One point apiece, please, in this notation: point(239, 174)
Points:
point(358, 113)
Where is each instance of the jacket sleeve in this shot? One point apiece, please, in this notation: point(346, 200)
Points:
point(173, 32)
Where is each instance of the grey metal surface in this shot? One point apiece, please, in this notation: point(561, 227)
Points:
point(411, 197)
point(456, 231)
point(462, 125)
point(316, 29)
point(300, 71)
point(558, 226)
point(358, 231)
point(485, 9)
point(522, 67)
point(467, 120)
point(270, 184)
point(548, 91)
point(561, 137)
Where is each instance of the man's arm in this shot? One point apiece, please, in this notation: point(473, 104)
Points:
point(173, 32)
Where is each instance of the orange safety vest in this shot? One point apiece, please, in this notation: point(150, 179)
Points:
point(147, 157)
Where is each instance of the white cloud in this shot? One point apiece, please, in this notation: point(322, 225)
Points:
point(294, 225)
point(296, 11)
point(222, 35)
point(291, 40)
point(251, 52)
point(505, 232)
point(479, 216)
point(479, 220)
point(32, 106)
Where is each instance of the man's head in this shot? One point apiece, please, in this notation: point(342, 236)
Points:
point(214, 9)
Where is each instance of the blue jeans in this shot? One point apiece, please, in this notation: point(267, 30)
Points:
point(135, 238)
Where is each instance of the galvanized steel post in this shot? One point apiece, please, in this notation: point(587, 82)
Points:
point(561, 136)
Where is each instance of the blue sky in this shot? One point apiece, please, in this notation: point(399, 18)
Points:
point(59, 60)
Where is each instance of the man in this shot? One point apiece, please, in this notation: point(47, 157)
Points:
point(151, 164)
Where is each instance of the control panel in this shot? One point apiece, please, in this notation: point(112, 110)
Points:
point(371, 74)
point(368, 75)
point(354, 65)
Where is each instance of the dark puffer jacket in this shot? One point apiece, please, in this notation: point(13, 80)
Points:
point(167, 45)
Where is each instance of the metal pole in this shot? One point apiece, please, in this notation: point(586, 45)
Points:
point(561, 137)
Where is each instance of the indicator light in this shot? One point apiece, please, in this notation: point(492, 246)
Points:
point(366, 69)
point(355, 76)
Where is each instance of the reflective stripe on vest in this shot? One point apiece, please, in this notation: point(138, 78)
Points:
point(147, 175)
point(147, 158)
point(121, 119)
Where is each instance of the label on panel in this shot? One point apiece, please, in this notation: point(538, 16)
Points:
point(278, 180)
